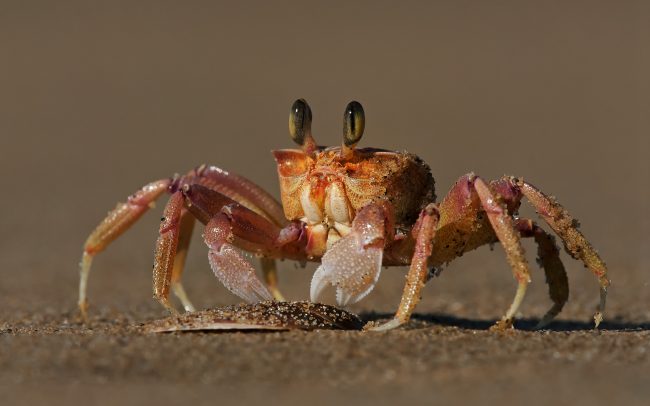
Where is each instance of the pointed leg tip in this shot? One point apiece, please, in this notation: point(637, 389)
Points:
point(542, 324)
point(180, 293)
point(598, 318)
point(278, 296)
point(83, 311)
point(548, 317)
point(389, 325)
point(502, 326)
point(167, 305)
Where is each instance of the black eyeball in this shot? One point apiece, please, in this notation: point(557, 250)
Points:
point(300, 121)
point(354, 121)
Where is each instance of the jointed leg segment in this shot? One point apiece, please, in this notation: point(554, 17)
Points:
point(251, 227)
point(116, 222)
point(504, 228)
point(185, 235)
point(548, 257)
point(468, 198)
point(270, 272)
point(424, 232)
point(166, 245)
point(575, 243)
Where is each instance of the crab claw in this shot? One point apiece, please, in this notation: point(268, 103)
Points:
point(353, 264)
point(237, 274)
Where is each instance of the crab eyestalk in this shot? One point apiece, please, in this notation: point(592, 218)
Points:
point(354, 121)
point(300, 126)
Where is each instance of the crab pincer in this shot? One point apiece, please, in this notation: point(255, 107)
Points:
point(353, 264)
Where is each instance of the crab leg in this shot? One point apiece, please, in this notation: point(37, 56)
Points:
point(251, 231)
point(424, 231)
point(243, 191)
point(116, 222)
point(171, 250)
point(186, 227)
point(231, 226)
point(270, 272)
point(504, 228)
point(463, 204)
point(166, 246)
point(574, 242)
point(548, 256)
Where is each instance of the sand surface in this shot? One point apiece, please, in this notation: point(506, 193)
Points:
point(98, 99)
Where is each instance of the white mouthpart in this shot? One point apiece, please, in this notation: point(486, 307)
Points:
point(336, 204)
point(313, 213)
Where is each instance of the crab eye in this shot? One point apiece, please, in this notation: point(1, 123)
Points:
point(354, 121)
point(300, 121)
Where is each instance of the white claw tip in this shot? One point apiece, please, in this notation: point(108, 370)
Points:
point(343, 298)
point(598, 318)
point(318, 284)
point(351, 268)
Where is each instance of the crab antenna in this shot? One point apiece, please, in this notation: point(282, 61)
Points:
point(300, 126)
point(354, 121)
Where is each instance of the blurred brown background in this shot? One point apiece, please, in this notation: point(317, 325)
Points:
point(98, 98)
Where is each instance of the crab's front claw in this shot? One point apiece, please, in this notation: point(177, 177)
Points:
point(237, 274)
point(353, 264)
point(350, 267)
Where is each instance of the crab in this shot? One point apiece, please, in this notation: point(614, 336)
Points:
point(354, 210)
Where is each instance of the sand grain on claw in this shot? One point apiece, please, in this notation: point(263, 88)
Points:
point(267, 315)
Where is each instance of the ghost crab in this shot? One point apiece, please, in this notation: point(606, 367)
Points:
point(354, 210)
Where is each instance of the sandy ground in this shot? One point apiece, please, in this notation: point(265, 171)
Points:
point(437, 357)
point(96, 100)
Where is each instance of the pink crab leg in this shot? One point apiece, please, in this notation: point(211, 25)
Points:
point(424, 231)
point(243, 191)
point(574, 242)
point(116, 222)
point(270, 272)
point(504, 228)
point(354, 263)
point(173, 242)
point(463, 204)
point(251, 231)
point(548, 256)
point(185, 235)
point(166, 246)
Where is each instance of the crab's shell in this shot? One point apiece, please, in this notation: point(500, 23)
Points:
point(400, 178)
